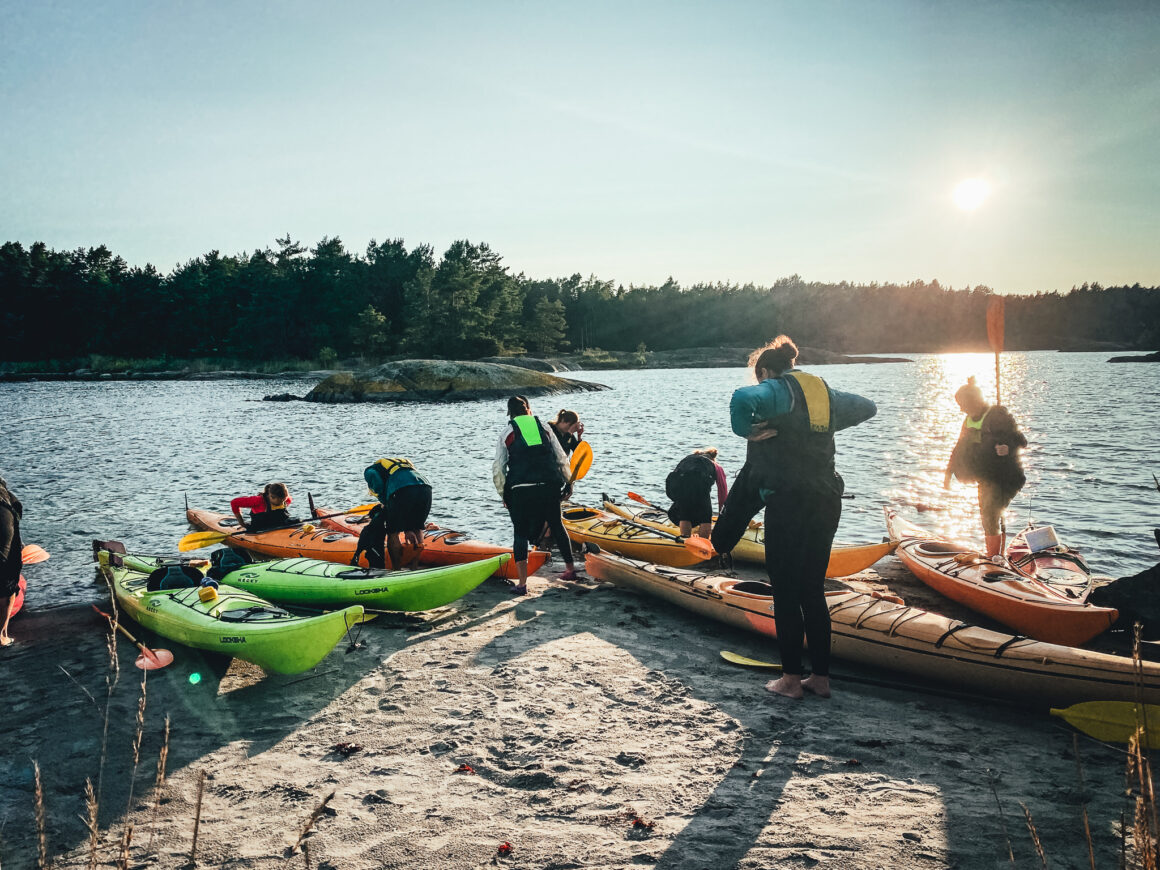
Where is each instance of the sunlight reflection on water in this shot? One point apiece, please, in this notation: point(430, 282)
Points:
point(114, 460)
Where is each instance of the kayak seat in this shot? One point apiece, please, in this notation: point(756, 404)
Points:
point(581, 514)
point(937, 548)
point(173, 577)
point(753, 587)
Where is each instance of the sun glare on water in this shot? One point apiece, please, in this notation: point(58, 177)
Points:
point(970, 193)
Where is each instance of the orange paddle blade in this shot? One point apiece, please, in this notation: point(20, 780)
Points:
point(581, 460)
point(33, 554)
point(995, 326)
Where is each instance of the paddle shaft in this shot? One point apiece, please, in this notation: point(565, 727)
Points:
point(207, 537)
point(145, 651)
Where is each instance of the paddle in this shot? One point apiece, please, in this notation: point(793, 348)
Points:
point(1114, 721)
point(695, 544)
point(581, 461)
point(150, 659)
point(33, 554)
point(358, 509)
point(643, 500)
point(197, 540)
point(995, 306)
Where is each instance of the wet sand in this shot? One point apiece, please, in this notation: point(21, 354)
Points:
point(582, 725)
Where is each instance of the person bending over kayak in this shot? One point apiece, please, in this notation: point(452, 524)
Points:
point(987, 452)
point(568, 430)
point(404, 504)
point(690, 485)
point(789, 419)
point(11, 556)
point(532, 475)
point(267, 508)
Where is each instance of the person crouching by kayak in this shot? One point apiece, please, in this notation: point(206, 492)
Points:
point(789, 419)
point(987, 452)
point(11, 556)
point(404, 504)
point(531, 473)
point(267, 509)
point(568, 430)
point(690, 485)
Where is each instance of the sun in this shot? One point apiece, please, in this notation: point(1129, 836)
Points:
point(970, 193)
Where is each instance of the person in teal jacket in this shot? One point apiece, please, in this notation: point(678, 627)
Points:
point(404, 504)
point(789, 419)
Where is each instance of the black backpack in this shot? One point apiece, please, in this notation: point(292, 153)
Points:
point(694, 473)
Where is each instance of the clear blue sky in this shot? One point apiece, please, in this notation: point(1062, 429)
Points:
point(630, 140)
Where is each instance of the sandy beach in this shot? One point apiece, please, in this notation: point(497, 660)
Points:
point(580, 726)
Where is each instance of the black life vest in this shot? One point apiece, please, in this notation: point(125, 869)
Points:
point(801, 455)
point(530, 455)
point(269, 519)
point(693, 476)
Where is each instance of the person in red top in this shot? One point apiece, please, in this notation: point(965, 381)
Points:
point(267, 509)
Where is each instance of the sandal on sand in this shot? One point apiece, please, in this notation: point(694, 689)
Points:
point(518, 590)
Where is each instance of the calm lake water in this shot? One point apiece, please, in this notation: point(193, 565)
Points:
point(116, 460)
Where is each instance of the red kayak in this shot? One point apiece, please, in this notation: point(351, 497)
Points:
point(440, 546)
point(1035, 607)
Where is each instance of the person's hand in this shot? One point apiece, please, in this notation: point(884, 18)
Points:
point(761, 432)
point(566, 492)
point(1002, 449)
point(580, 429)
point(354, 560)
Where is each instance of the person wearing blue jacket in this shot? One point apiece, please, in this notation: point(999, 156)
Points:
point(789, 419)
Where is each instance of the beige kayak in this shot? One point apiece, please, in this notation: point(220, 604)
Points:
point(883, 633)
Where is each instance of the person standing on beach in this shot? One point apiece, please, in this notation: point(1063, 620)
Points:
point(532, 475)
point(689, 485)
point(987, 452)
point(789, 419)
point(267, 508)
point(568, 430)
point(404, 504)
point(11, 556)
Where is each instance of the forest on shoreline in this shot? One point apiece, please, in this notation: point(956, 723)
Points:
point(325, 303)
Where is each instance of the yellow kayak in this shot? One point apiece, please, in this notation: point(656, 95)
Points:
point(637, 541)
point(844, 561)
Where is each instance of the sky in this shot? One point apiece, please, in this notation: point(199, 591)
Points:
point(634, 141)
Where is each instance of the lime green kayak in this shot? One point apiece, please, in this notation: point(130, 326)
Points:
point(237, 622)
point(314, 583)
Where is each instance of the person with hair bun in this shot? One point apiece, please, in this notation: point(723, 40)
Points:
point(789, 419)
point(568, 429)
point(987, 453)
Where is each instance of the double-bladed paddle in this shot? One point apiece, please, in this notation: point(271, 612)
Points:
point(197, 540)
point(695, 544)
point(150, 659)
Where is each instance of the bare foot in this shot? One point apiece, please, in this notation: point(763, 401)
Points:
point(6, 641)
point(787, 685)
point(818, 685)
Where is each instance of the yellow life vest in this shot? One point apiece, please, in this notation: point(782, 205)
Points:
point(817, 399)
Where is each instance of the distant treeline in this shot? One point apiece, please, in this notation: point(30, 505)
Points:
point(288, 302)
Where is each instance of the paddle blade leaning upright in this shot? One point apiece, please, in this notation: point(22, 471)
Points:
point(581, 460)
point(995, 330)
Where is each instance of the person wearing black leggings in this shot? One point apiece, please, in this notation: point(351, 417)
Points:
point(531, 472)
point(789, 419)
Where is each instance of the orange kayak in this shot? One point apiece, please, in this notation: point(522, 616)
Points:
point(440, 546)
point(1026, 604)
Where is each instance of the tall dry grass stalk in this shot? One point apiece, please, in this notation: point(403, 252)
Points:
point(138, 733)
point(1087, 828)
point(1002, 816)
point(1139, 786)
point(315, 815)
point(159, 784)
point(91, 823)
point(197, 818)
point(1034, 835)
point(42, 860)
point(123, 853)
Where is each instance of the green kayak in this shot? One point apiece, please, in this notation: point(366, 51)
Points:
point(313, 583)
point(237, 622)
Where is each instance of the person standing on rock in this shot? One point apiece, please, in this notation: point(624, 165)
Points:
point(532, 475)
point(789, 419)
point(987, 452)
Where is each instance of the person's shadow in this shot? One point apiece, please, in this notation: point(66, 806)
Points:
point(786, 752)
